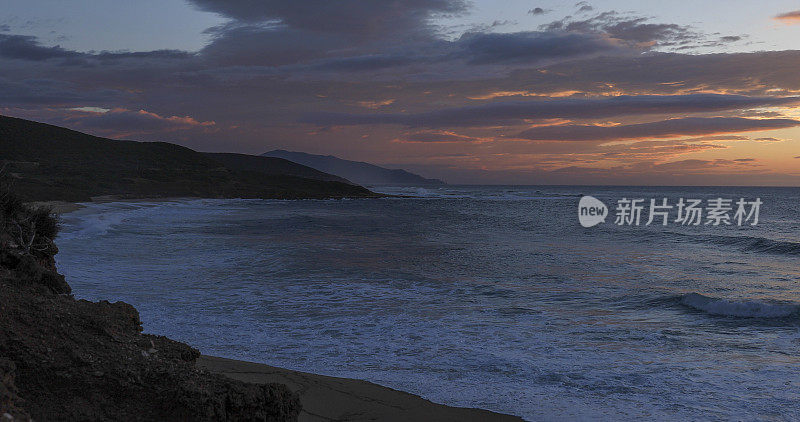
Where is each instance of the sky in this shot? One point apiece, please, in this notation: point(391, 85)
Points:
point(513, 92)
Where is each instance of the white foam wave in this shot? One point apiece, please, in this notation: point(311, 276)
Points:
point(739, 308)
point(98, 219)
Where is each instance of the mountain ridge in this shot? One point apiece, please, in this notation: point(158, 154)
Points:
point(355, 171)
point(49, 163)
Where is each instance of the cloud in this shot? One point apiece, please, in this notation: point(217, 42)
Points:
point(441, 137)
point(634, 31)
point(529, 47)
point(537, 11)
point(402, 87)
point(566, 108)
point(789, 17)
point(254, 45)
point(655, 148)
point(364, 19)
point(689, 126)
point(28, 48)
point(52, 92)
point(119, 122)
point(363, 63)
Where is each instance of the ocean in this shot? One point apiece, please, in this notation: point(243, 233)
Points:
point(492, 297)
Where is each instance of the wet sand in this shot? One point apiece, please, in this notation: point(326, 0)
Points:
point(342, 399)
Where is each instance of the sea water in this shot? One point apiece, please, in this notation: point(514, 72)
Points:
point(490, 297)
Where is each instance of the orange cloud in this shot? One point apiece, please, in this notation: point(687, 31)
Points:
point(121, 122)
point(688, 126)
point(790, 18)
point(374, 105)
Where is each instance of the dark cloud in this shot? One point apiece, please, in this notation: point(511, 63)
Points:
point(730, 38)
point(584, 6)
point(51, 92)
point(28, 48)
point(631, 29)
point(255, 45)
point(638, 31)
point(765, 73)
point(667, 128)
point(509, 111)
point(537, 11)
point(360, 18)
point(530, 47)
point(363, 63)
point(106, 56)
point(23, 47)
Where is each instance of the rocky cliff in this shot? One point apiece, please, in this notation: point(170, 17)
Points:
point(68, 359)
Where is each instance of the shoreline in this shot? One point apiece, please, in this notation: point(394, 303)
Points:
point(326, 398)
point(64, 207)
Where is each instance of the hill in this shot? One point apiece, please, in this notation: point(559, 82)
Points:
point(272, 166)
point(53, 163)
point(355, 171)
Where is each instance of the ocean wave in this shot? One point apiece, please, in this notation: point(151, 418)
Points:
point(760, 244)
point(98, 219)
point(739, 308)
point(94, 220)
point(745, 243)
point(471, 193)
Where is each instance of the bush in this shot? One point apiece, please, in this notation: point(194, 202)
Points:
point(26, 242)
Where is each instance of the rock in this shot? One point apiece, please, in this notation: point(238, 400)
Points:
point(67, 359)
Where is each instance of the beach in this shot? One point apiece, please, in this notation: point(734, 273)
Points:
point(341, 399)
point(45, 331)
point(479, 297)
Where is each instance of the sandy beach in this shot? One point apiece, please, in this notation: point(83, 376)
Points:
point(341, 399)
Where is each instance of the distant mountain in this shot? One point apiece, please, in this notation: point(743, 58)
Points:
point(355, 171)
point(53, 163)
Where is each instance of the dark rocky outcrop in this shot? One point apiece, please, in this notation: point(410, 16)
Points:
point(68, 359)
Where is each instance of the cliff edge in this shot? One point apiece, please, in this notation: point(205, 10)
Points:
point(68, 359)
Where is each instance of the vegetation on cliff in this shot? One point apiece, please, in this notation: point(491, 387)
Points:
point(68, 359)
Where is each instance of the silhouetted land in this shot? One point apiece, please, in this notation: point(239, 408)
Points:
point(355, 171)
point(53, 163)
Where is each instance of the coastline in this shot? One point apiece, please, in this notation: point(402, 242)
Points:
point(326, 398)
point(64, 207)
point(323, 398)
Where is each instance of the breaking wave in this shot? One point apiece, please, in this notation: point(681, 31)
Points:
point(744, 243)
point(739, 308)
